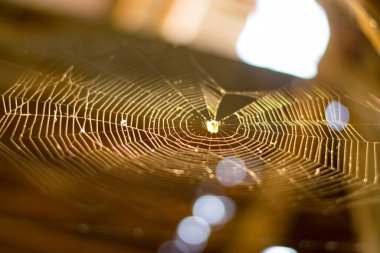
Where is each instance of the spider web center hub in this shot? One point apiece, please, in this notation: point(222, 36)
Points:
point(213, 126)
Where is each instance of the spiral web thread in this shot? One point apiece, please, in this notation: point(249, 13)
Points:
point(73, 130)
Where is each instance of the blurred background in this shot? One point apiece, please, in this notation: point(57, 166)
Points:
point(336, 42)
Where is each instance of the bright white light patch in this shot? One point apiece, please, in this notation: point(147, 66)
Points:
point(193, 230)
point(213, 126)
point(288, 36)
point(210, 208)
point(231, 171)
point(174, 246)
point(279, 249)
point(337, 115)
point(229, 206)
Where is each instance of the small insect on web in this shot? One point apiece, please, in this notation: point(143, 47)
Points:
point(213, 126)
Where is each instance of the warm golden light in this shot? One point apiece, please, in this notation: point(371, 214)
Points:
point(213, 126)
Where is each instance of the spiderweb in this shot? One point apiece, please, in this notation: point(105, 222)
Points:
point(99, 128)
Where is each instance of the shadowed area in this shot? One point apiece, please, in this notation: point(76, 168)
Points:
point(232, 103)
